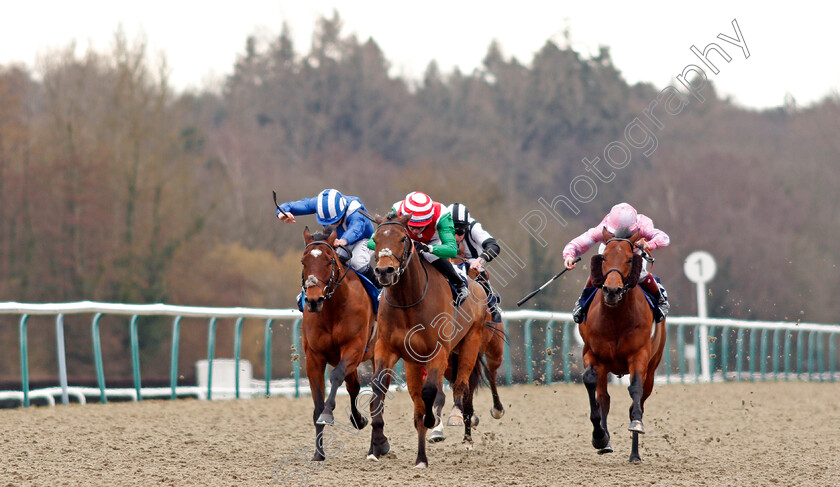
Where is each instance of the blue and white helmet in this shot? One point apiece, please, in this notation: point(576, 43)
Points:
point(331, 207)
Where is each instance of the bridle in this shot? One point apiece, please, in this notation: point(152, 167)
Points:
point(626, 282)
point(329, 287)
point(404, 261)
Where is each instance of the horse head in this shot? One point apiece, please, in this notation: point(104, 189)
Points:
point(394, 248)
point(617, 270)
point(320, 265)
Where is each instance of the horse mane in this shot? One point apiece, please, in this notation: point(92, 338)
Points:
point(324, 235)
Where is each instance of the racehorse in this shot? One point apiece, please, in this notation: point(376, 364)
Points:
point(419, 323)
point(617, 337)
point(337, 329)
point(491, 355)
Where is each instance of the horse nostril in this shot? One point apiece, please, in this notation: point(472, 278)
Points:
point(390, 270)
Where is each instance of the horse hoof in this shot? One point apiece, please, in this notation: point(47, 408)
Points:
point(637, 427)
point(372, 457)
point(360, 425)
point(606, 449)
point(602, 443)
point(635, 459)
point(456, 418)
point(497, 413)
point(474, 421)
point(421, 465)
point(436, 436)
point(325, 419)
point(318, 458)
point(437, 421)
point(468, 444)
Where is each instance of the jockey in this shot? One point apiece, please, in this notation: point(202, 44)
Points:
point(353, 230)
point(479, 248)
point(434, 235)
point(621, 215)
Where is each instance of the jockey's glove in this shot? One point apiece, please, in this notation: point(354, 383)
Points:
point(421, 247)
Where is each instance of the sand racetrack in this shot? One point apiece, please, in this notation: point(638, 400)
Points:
point(720, 434)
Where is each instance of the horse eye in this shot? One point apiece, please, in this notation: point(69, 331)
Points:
point(629, 261)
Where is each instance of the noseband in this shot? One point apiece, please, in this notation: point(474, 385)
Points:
point(330, 286)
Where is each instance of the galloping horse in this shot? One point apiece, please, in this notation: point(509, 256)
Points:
point(337, 329)
point(617, 337)
point(491, 352)
point(419, 323)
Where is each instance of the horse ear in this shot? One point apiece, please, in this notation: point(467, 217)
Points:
point(379, 219)
point(307, 237)
point(332, 237)
point(404, 219)
point(607, 235)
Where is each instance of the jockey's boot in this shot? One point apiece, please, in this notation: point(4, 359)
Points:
point(495, 310)
point(652, 285)
point(580, 305)
point(299, 299)
point(446, 268)
point(493, 299)
point(367, 271)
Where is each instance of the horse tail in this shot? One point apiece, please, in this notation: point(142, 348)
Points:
point(496, 329)
point(478, 377)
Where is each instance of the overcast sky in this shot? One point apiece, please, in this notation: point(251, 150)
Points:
point(792, 46)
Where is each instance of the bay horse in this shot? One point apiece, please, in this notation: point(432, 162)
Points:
point(337, 329)
point(419, 323)
point(617, 337)
point(491, 356)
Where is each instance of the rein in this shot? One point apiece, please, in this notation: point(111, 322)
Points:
point(408, 253)
point(333, 281)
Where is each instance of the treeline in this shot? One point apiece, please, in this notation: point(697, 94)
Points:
point(114, 187)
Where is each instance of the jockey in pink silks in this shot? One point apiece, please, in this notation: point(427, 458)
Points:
point(621, 215)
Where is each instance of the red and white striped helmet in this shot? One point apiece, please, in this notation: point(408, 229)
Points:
point(421, 208)
point(622, 215)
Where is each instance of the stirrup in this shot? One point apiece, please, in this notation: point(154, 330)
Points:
point(577, 313)
point(496, 314)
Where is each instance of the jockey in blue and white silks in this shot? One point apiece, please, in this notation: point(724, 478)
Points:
point(353, 230)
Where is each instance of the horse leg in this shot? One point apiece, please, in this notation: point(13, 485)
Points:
point(636, 426)
point(353, 387)
point(385, 360)
point(638, 373)
point(600, 436)
point(494, 361)
point(423, 396)
point(336, 379)
point(456, 415)
point(463, 390)
point(315, 365)
point(437, 433)
point(350, 359)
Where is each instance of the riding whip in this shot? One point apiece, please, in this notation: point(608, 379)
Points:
point(278, 206)
point(533, 293)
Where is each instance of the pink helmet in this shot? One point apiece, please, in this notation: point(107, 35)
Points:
point(622, 215)
point(420, 205)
